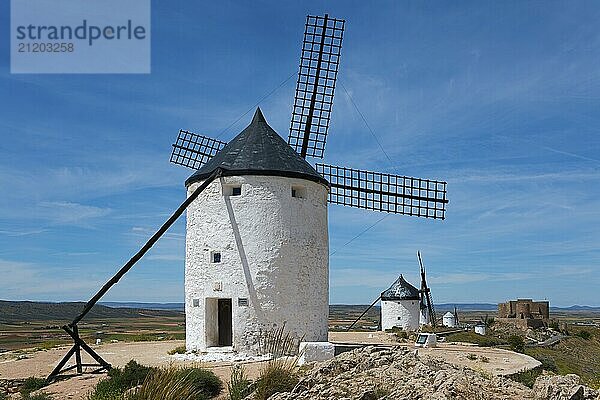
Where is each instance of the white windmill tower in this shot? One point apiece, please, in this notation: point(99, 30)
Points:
point(400, 306)
point(256, 245)
point(404, 306)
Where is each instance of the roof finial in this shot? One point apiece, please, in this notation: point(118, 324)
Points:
point(258, 116)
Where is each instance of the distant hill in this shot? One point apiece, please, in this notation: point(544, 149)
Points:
point(146, 306)
point(471, 307)
point(18, 311)
point(576, 308)
point(467, 306)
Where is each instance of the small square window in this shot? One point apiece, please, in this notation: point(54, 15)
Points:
point(232, 189)
point(196, 303)
point(298, 192)
point(215, 257)
point(243, 302)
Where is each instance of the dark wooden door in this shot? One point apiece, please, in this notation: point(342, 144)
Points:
point(225, 325)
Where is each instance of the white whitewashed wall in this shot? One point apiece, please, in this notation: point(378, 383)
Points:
point(274, 252)
point(449, 320)
point(401, 313)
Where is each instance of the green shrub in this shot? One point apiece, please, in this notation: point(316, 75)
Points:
point(131, 375)
point(527, 378)
point(516, 343)
point(106, 389)
point(472, 356)
point(548, 363)
point(239, 386)
point(586, 335)
point(119, 380)
point(166, 384)
point(203, 381)
point(484, 359)
point(3, 396)
point(32, 384)
point(280, 373)
point(178, 350)
point(276, 377)
point(472, 337)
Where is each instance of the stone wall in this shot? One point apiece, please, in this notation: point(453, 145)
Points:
point(524, 309)
point(525, 313)
point(524, 323)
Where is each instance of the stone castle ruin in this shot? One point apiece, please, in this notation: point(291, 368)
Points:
point(525, 313)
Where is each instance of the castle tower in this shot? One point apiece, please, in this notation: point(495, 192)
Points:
point(256, 245)
point(400, 306)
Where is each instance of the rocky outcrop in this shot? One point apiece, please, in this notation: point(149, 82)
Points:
point(373, 373)
point(557, 387)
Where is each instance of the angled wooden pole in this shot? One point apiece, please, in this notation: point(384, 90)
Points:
point(72, 329)
point(364, 312)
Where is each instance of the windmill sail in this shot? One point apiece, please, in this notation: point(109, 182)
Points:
point(319, 63)
point(193, 151)
point(385, 192)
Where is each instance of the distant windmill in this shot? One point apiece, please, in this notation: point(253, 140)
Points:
point(256, 238)
point(426, 302)
point(399, 308)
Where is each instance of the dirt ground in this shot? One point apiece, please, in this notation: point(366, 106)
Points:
point(41, 363)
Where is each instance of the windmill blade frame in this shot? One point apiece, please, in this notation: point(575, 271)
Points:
point(317, 75)
point(383, 192)
point(193, 151)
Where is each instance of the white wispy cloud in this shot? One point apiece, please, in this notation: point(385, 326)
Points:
point(68, 213)
point(142, 232)
point(166, 257)
point(372, 278)
point(24, 280)
point(21, 232)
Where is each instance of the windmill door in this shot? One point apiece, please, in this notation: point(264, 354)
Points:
point(225, 325)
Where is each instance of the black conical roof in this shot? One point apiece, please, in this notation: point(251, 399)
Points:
point(401, 290)
point(258, 150)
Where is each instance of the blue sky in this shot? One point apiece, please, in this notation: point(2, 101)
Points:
point(500, 99)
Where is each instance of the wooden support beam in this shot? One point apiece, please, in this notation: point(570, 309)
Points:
point(72, 329)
